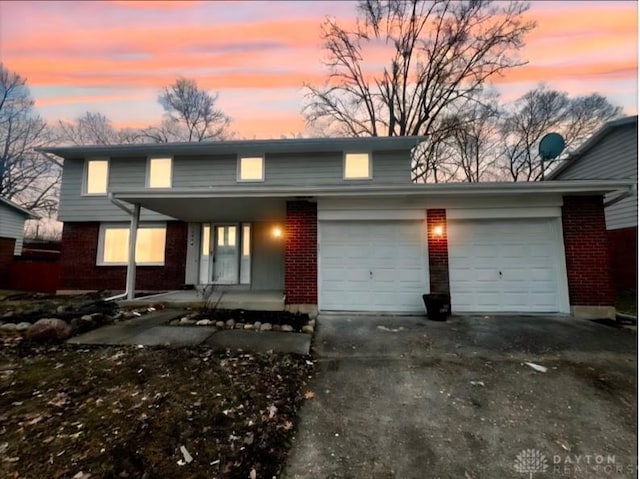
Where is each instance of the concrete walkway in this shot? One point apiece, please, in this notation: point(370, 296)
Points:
point(404, 397)
point(151, 330)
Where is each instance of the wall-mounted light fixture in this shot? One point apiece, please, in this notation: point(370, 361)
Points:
point(276, 232)
point(438, 231)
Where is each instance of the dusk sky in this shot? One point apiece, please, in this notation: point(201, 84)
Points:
point(113, 57)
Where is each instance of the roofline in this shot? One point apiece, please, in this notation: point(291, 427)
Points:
point(573, 187)
point(19, 208)
point(290, 145)
point(591, 142)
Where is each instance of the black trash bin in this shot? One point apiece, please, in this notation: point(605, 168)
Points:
point(438, 306)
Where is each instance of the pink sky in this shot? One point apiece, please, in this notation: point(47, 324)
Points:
point(112, 57)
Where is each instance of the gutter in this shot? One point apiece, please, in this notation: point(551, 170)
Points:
point(625, 194)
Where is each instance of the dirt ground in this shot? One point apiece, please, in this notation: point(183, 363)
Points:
point(124, 412)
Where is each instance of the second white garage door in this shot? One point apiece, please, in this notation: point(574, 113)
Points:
point(507, 265)
point(372, 266)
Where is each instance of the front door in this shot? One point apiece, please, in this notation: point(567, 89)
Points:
point(225, 255)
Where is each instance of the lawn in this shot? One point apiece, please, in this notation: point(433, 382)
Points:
point(125, 412)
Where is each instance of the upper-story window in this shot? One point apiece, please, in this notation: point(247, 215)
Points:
point(357, 166)
point(159, 173)
point(251, 168)
point(97, 177)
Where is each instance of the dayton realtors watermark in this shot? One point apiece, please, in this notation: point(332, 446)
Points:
point(534, 462)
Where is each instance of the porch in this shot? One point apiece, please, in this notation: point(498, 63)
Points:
point(194, 298)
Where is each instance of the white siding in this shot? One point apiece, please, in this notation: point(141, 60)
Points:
point(615, 157)
point(12, 225)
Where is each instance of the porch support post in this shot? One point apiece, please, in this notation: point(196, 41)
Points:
point(131, 266)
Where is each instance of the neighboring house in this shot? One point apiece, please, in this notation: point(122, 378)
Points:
point(12, 218)
point(612, 153)
point(333, 223)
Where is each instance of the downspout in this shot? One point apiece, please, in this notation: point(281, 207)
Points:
point(130, 285)
point(625, 194)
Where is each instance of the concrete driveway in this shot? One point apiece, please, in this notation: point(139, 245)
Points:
point(405, 397)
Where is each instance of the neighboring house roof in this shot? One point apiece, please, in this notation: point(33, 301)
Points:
point(18, 208)
point(295, 145)
point(591, 142)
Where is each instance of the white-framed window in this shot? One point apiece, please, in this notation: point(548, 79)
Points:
point(96, 177)
point(113, 244)
point(251, 168)
point(159, 172)
point(357, 166)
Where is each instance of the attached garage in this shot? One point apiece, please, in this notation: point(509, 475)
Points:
point(507, 265)
point(373, 265)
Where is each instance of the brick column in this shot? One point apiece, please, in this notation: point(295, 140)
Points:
point(301, 253)
point(438, 247)
point(586, 251)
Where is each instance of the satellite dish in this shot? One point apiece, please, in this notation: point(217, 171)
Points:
point(551, 146)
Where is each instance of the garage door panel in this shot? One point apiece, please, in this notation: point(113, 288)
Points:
point(389, 258)
point(504, 265)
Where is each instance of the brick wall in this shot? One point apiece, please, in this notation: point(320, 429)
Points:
point(623, 251)
point(438, 247)
point(79, 270)
point(301, 253)
point(586, 250)
point(7, 246)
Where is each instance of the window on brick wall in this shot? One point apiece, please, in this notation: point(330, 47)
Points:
point(113, 245)
point(96, 177)
point(357, 166)
point(159, 173)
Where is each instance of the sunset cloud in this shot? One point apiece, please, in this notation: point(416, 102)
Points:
point(122, 52)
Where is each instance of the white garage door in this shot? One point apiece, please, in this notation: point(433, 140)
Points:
point(509, 265)
point(372, 266)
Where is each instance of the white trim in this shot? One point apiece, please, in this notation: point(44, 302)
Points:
point(85, 177)
point(120, 225)
point(371, 215)
point(147, 176)
point(498, 213)
point(239, 170)
point(344, 165)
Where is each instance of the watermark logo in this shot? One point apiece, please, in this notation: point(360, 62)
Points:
point(530, 461)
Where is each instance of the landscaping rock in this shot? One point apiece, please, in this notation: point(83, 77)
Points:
point(7, 315)
point(204, 322)
point(266, 327)
point(249, 326)
point(307, 329)
point(220, 324)
point(312, 323)
point(49, 328)
point(239, 325)
point(286, 328)
point(231, 323)
point(22, 327)
point(186, 321)
point(174, 322)
point(8, 327)
point(257, 325)
point(276, 327)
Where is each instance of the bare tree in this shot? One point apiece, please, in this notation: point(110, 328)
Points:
point(474, 141)
point(441, 54)
point(94, 128)
point(27, 177)
point(190, 115)
point(541, 111)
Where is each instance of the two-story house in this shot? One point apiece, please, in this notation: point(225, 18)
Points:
point(612, 153)
point(334, 224)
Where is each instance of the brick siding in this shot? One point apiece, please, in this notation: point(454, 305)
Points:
point(623, 250)
point(301, 253)
point(438, 247)
point(586, 250)
point(79, 270)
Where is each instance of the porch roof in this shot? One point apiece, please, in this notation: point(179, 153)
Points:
point(261, 202)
